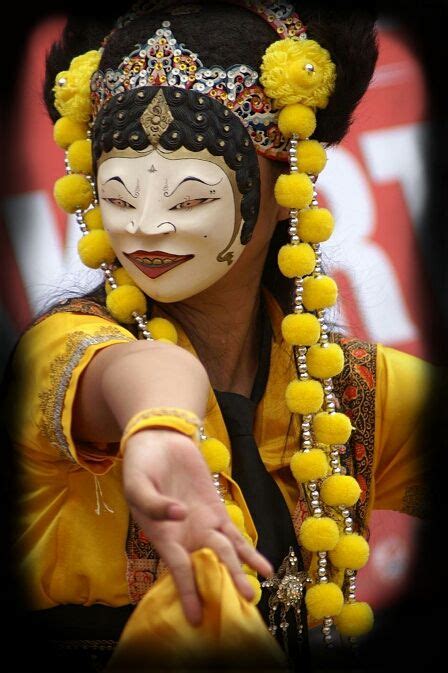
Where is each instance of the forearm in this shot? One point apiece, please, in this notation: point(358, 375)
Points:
point(126, 378)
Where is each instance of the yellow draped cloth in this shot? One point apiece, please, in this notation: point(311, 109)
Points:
point(73, 519)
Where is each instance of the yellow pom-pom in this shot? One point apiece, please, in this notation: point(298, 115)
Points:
point(315, 225)
point(319, 534)
point(256, 586)
point(79, 156)
point(298, 71)
point(73, 192)
point(304, 397)
point(236, 515)
point(94, 248)
point(66, 131)
point(123, 301)
point(340, 489)
point(296, 260)
point(309, 465)
point(72, 87)
point(320, 292)
point(300, 329)
point(331, 428)
point(355, 619)
point(121, 277)
point(323, 363)
point(161, 328)
point(93, 219)
point(294, 190)
point(216, 454)
point(311, 157)
point(324, 600)
point(298, 119)
point(351, 551)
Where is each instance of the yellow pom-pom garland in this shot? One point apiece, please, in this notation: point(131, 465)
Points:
point(216, 454)
point(286, 77)
point(125, 300)
point(161, 328)
point(296, 260)
point(331, 428)
point(294, 190)
point(339, 490)
point(304, 397)
point(66, 131)
point(324, 362)
point(309, 465)
point(93, 219)
point(315, 225)
point(73, 192)
point(121, 277)
point(311, 157)
point(324, 600)
point(79, 155)
point(95, 248)
point(300, 329)
point(319, 292)
point(319, 534)
point(355, 619)
point(351, 551)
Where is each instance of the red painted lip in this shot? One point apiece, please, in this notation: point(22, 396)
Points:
point(154, 263)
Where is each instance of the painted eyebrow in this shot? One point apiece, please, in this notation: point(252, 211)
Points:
point(192, 178)
point(118, 179)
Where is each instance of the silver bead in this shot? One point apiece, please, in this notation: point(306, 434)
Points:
point(317, 512)
point(312, 486)
point(322, 572)
point(349, 521)
point(349, 530)
point(345, 512)
point(326, 630)
point(295, 239)
point(314, 503)
point(309, 67)
point(294, 221)
point(336, 470)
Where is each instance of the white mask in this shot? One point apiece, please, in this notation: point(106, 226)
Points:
point(173, 218)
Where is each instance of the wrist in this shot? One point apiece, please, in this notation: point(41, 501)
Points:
point(182, 421)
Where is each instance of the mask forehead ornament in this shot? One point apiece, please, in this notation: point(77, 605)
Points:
point(156, 118)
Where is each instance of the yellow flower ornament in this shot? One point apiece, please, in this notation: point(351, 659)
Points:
point(72, 87)
point(298, 71)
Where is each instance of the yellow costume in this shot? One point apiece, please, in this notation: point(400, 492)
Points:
point(74, 521)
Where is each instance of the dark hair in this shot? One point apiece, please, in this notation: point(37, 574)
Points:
point(199, 123)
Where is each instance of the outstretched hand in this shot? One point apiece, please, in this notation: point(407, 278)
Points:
point(171, 495)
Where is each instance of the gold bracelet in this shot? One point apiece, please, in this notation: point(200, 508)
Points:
point(173, 418)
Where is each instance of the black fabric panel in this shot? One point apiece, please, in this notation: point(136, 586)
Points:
point(265, 500)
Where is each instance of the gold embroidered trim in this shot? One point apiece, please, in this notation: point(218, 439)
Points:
point(61, 370)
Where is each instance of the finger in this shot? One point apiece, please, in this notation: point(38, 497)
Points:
point(179, 562)
point(226, 553)
point(246, 552)
point(144, 496)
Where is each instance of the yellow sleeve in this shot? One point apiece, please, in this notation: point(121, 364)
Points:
point(46, 367)
point(402, 391)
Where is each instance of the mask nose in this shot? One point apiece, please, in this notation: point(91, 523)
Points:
point(147, 227)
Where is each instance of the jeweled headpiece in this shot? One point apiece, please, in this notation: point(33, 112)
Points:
point(163, 61)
